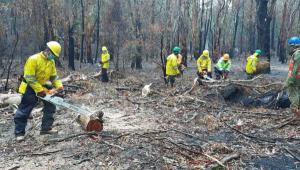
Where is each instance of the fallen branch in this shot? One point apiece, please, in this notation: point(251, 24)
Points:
point(80, 162)
point(214, 159)
point(225, 160)
point(71, 136)
point(250, 136)
point(126, 89)
point(291, 153)
point(40, 153)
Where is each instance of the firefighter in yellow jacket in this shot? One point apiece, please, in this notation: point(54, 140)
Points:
point(105, 57)
point(204, 65)
point(172, 64)
point(251, 66)
point(38, 71)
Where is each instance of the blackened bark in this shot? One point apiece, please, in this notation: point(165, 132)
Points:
point(263, 28)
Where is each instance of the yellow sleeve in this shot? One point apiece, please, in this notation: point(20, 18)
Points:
point(106, 58)
point(209, 65)
point(199, 65)
point(254, 64)
point(54, 78)
point(30, 76)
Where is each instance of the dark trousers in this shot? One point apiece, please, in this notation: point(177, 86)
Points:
point(250, 76)
point(171, 80)
point(220, 74)
point(28, 102)
point(104, 75)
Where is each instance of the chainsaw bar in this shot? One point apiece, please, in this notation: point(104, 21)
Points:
point(60, 102)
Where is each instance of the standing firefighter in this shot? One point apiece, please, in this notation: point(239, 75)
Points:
point(38, 70)
point(293, 80)
point(172, 69)
point(204, 65)
point(105, 57)
point(251, 66)
point(223, 67)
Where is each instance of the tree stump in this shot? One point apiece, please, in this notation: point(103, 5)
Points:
point(91, 122)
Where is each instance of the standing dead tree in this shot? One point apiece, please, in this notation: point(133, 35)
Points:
point(12, 56)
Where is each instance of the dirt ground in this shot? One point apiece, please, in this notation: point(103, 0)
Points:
point(168, 129)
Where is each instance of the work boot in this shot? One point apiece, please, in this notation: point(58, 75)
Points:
point(48, 132)
point(20, 138)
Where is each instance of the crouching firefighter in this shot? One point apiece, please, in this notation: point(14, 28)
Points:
point(38, 70)
point(293, 80)
point(223, 67)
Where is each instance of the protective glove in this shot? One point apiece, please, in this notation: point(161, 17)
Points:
point(60, 89)
point(101, 62)
point(41, 94)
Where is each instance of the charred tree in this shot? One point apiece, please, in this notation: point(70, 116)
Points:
point(71, 47)
point(82, 32)
point(97, 31)
point(263, 28)
point(236, 24)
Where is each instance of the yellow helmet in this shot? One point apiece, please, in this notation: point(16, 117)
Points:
point(104, 48)
point(226, 57)
point(205, 53)
point(54, 47)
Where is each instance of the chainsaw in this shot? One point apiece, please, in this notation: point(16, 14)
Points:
point(85, 114)
point(60, 102)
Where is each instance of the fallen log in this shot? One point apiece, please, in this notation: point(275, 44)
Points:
point(10, 99)
point(91, 122)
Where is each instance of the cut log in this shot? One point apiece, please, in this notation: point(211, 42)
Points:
point(91, 122)
point(10, 99)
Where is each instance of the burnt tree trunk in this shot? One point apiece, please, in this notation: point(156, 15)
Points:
point(71, 48)
point(82, 32)
point(263, 28)
point(97, 31)
point(236, 24)
point(283, 36)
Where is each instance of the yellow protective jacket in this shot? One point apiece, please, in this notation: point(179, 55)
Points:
point(204, 63)
point(251, 64)
point(38, 70)
point(105, 57)
point(172, 65)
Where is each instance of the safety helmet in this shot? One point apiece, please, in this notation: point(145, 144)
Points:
point(258, 52)
point(294, 41)
point(54, 47)
point(205, 53)
point(226, 57)
point(104, 48)
point(176, 50)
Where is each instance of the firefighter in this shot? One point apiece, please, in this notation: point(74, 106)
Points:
point(105, 57)
point(204, 65)
point(293, 79)
point(172, 66)
point(251, 66)
point(223, 67)
point(38, 71)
